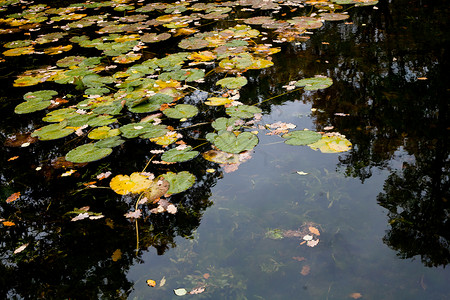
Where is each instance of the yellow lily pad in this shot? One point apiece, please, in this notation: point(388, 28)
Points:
point(332, 143)
point(135, 183)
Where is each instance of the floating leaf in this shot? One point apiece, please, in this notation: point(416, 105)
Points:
point(301, 137)
point(31, 106)
point(57, 49)
point(103, 132)
point(40, 95)
point(179, 182)
point(243, 111)
point(110, 142)
point(334, 16)
point(221, 157)
point(180, 292)
point(13, 197)
point(135, 183)
point(157, 189)
point(53, 131)
point(151, 282)
point(231, 143)
point(177, 155)
point(217, 101)
point(232, 82)
point(87, 153)
point(315, 83)
point(332, 143)
point(19, 51)
point(181, 111)
point(143, 130)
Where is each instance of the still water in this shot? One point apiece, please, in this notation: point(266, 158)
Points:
point(378, 214)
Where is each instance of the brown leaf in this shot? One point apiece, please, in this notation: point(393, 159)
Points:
point(314, 230)
point(355, 295)
point(206, 275)
point(13, 197)
point(305, 270)
point(299, 258)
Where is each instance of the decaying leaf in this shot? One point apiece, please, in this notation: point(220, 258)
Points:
point(151, 282)
point(21, 248)
point(305, 270)
point(13, 197)
point(116, 255)
point(355, 295)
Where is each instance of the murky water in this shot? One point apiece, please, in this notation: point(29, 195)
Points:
point(381, 208)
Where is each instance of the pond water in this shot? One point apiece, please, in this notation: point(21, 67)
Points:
point(371, 222)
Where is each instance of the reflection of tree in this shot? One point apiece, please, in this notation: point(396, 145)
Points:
point(75, 259)
point(394, 116)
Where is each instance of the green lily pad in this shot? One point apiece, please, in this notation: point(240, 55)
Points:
point(109, 142)
point(143, 130)
point(31, 106)
point(227, 124)
point(53, 131)
point(87, 153)
point(70, 61)
point(96, 91)
point(179, 182)
point(301, 137)
point(243, 111)
point(103, 132)
point(232, 82)
point(40, 95)
point(175, 155)
point(101, 120)
point(60, 115)
point(315, 83)
point(18, 44)
point(231, 143)
point(181, 111)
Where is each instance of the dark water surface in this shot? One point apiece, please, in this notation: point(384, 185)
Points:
point(382, 208)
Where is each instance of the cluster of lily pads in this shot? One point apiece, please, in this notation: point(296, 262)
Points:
point(124, 76)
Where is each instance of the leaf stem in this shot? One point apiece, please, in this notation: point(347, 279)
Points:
point(285, 93)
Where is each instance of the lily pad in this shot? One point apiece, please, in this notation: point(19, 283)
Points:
point(179, 182)
point(315, 83)
point(243, 111)
point(301, 137)
point(110, 142)
point(103, 132)
point(177, 155)
point(332, 143)
point(157, 189)
point(181, 111)
point(40, 95)
point(227, 124)
point(221, 157)
point(135, 183)
point(231, 143)
point(31, 106)
point(143, 130)
point(232, 82)
point(87, 153)
point(53, 131)
point(218, 101)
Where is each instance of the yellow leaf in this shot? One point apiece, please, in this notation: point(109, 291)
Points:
point(151, 282)
point(135, 183)
point(217, 101)
point(116, 255)
point(8, 223)
point(314, 230)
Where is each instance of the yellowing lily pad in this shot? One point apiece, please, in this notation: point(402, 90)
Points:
point(217, 101)
point(135, 183)
point(19, 51)
point(332, 143)
point(103, 132)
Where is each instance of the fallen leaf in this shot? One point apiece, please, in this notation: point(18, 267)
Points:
point(298, 258)
point(308, 237)
point(422, 78)
point(163, 281)
point(104, 175)
point(312, 243)
point(198, 290)
point(314, 230)
point(133, 214)
point(180, 292)
point(116, 255)
point(206, 275)
point(13, 158)
point(151, 282)
point(21, 248)
point(68, 173)
point(355, 295)
point(305, 270)
point(9, 223)
point(13, 197)
point(80, 217)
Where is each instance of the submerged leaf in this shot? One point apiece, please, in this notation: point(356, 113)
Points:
point(301, 137)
